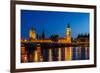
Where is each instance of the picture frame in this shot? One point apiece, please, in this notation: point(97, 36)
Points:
point(25, 9)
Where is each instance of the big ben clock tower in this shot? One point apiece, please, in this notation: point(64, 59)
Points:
point(68, 34)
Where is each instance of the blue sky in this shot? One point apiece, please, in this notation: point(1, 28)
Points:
point(53, 22)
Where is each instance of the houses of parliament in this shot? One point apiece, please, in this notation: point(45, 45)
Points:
point(33, 36)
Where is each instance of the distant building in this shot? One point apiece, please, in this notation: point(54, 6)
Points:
point(83, 39)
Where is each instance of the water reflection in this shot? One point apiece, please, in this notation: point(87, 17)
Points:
point(55, 54)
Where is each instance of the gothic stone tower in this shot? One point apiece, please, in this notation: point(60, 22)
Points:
point(68, 50)
point(32, 34)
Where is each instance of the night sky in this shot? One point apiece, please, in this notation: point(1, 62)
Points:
point(53, 22)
